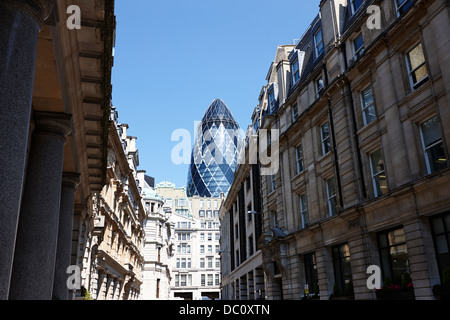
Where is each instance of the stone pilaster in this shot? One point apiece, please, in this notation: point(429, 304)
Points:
point(69, 183)
point(35, 252)
point(20, 22)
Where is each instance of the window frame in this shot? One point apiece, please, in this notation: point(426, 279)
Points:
point(426, 149)
point(339, 265)
point(311, 273)
point(366, 107)
point(295, 112)
point(445, 233)
point(331, 197)
point(376, 185)
point(386, 265)
point(325, 139)
point(357, 52)
point(415, 85)
point(303, 203)
point(271, 100)
point(319, 85)
point(300, 166)
point(317, 44)
point(295, 78)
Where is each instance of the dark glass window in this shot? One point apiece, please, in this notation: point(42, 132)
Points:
point(355, 5)
point(312, 279)
point(403, 5)
point(295, 71)
point(440, 227)
point(341, 264)
point(393, 254)
point(435, 157)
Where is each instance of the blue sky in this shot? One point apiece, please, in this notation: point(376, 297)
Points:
point(173, 58)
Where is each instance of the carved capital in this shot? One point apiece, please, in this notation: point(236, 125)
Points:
point(39, 10)
point(70, 180)
point(55, 123)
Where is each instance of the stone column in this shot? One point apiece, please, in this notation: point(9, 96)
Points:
point(19, 26)
point(64, 247)
point(35, 252)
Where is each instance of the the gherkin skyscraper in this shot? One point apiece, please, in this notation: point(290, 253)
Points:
point(215, 152)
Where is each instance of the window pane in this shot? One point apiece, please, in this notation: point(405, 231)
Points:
point(447, 222)
point(437, 225)
point(441, 244)
point(357, 4)
point(383, 241)
point(359, 42)
point(331, 188)
point(419, 74)
point(437, 158)
point(318, 42)
point(430, 131)
point(325, 132)
point(399, 261)
point(416, 57)
point(377, 162)
point(325, 138)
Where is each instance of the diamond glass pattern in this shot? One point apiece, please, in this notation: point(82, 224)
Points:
point(215, 152)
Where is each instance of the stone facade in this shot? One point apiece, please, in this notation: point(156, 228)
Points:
point(195, 266)
point(158, 248)
point(363, 153)
point(55, 94)
point(113, 267)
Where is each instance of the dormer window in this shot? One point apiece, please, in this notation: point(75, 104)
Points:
point(295, 71)
point(318, 43)
point(296, 61)
point(272, 97)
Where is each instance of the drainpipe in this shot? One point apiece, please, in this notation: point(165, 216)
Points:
point(335, 156)
point(354, 125)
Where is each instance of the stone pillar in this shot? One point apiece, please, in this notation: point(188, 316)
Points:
point(19, 26)
point(35, 252)
point(64, 247)
point(418, 262)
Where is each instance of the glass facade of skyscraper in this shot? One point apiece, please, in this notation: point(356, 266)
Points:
point(215, 152)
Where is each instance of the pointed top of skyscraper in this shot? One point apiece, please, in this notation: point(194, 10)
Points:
point(215, 152)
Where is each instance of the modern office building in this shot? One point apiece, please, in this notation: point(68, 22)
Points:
point(214, 154)
point(363, 173)
point(195, 265)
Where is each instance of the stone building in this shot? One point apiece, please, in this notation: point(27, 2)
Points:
point(55, 93)
point(241, 214)
point(195, 265)
point(363, 153)
point(112, 261)
point(158, 248)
